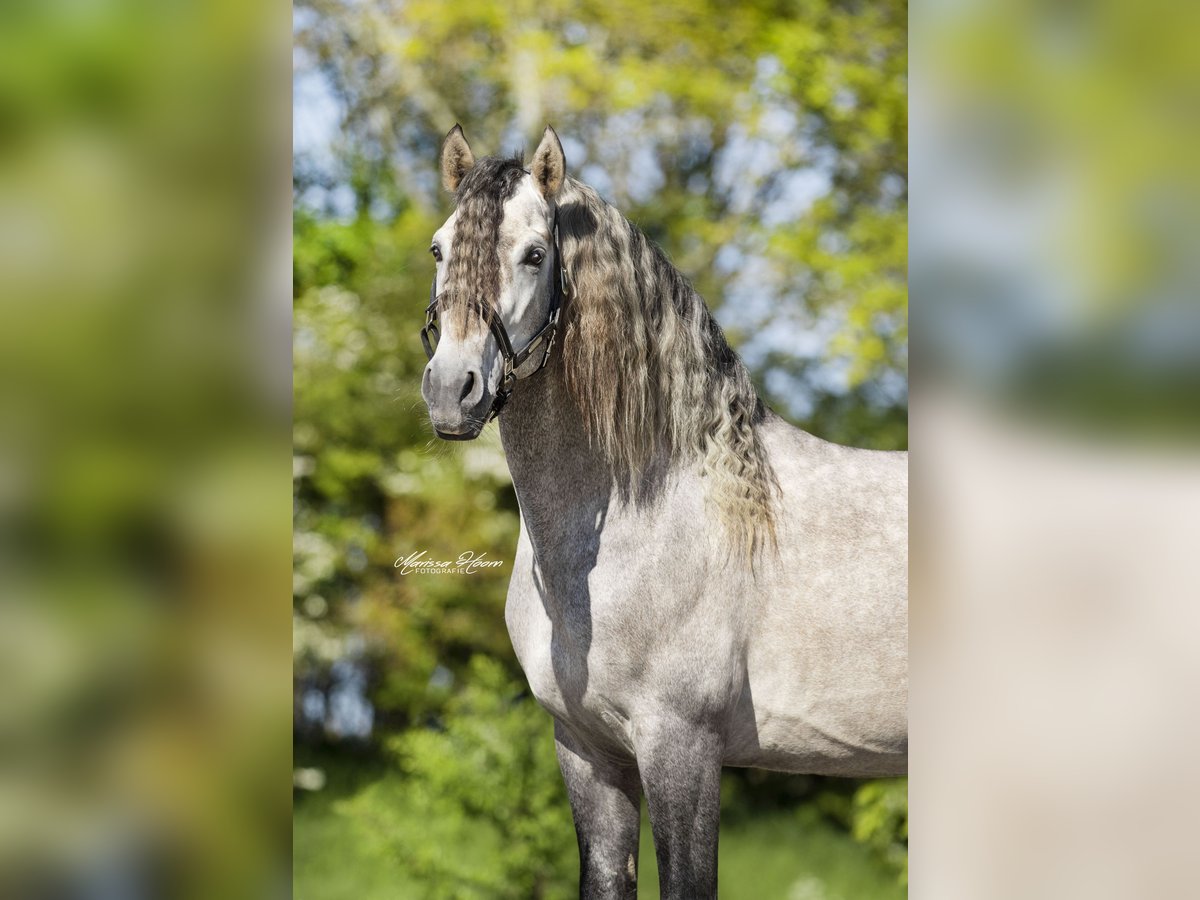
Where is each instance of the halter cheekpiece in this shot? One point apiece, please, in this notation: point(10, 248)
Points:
point(513, 360)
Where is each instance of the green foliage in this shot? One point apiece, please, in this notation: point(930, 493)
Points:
point(371, 484)
point(880, 820)
point(844, 66)
point(483, 812)
point(876, 814)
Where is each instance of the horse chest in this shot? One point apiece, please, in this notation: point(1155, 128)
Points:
point(574, 673)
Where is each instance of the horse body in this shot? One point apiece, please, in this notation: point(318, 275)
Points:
point(827, 653)
point(696, 582)
point(619, 609)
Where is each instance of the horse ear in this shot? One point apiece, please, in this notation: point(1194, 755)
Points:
point(549, 165)
point(457, 158)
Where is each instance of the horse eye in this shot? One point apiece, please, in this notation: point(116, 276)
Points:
point(437, 253)
point(535, 257)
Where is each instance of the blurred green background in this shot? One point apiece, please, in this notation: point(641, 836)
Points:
point(144, 438)
point(764, 146)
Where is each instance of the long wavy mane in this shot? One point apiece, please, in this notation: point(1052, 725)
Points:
point(651, 371)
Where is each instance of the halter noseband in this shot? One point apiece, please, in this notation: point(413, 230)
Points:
point(512, 360)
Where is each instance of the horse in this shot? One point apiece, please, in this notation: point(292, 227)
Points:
point(696, 582)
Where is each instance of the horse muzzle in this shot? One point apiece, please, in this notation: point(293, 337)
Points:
point(458, 400)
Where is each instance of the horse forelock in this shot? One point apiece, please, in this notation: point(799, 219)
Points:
point(473, 278)
point(650, 369)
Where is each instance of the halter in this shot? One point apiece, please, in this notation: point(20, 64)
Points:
point(512, 359)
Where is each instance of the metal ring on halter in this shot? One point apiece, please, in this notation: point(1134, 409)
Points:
point(512, 360)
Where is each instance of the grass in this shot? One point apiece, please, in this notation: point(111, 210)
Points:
point(773, 855)
point(329, 861)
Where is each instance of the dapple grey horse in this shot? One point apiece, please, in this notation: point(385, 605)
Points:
point(697, 583)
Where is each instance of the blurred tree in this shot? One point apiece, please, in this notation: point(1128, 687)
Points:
point(880, 820)
point(764, 145)
point(372, 485)
point(484, 812)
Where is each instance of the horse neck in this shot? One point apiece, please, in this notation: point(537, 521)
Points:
point(547, 449)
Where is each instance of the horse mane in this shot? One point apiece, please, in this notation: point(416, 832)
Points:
point(474, 274)
point(652, 373)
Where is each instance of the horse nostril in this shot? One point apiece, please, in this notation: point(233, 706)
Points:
point(467, 387)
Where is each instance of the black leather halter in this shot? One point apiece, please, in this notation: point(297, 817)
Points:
point(513, 360)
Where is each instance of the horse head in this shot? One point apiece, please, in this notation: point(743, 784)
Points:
point(498, 285)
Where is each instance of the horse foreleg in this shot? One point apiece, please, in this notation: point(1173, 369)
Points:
point(680, 766)
point(606, 804)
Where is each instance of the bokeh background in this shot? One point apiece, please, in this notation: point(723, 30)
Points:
point(1056, 484)
point(764, 146)
point(144, 437)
